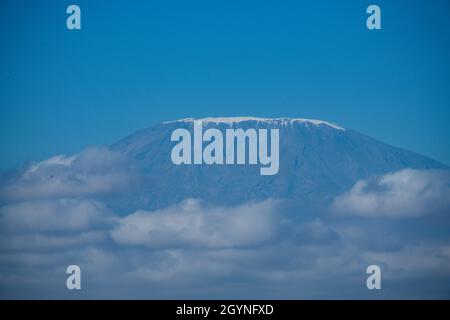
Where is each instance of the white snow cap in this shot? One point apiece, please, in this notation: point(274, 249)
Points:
point(281, 121)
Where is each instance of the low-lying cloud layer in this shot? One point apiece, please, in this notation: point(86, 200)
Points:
point(53, 215)
point(64, 211)
point(406, 193)
point(189, 224)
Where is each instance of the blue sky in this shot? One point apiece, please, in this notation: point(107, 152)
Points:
point(135, 64)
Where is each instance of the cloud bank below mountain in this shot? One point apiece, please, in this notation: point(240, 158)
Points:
point(65, 210)
point(406, 193)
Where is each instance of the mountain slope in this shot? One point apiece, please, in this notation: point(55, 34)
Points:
point(318, 160)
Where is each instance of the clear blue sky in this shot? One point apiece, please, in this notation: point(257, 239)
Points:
point(137, 63)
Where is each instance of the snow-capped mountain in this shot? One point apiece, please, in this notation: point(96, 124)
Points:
point(318, 160)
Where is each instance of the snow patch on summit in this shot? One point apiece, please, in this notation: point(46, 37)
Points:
point(280, 121)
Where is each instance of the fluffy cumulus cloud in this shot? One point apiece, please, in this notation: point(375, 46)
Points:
point(406, 193)
point(94, 171)
point(190, 224)
point(51, 204)
point(50, 224)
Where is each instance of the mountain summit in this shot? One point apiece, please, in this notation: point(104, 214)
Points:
point(279, 121)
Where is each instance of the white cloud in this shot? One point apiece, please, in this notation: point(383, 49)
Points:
point(314, 232)
point(59, 160)
point(52, 215)
point(93, 171)
point(191, 224)
point(405, 193)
